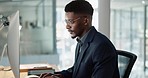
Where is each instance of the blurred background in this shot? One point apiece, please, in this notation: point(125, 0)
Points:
point(44, 38)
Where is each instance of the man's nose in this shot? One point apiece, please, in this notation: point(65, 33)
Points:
point(68, 26)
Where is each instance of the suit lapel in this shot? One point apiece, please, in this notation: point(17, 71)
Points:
point(76, 55)
point(79, 59)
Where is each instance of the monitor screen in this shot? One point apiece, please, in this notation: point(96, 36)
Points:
point(13, 43)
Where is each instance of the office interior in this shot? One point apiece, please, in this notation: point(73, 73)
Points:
point(44, 38)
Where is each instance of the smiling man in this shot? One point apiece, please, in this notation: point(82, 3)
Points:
point(95, 55)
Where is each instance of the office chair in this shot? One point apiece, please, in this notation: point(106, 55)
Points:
point(126, 61)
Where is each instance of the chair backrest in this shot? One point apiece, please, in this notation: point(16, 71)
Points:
point(126, 61)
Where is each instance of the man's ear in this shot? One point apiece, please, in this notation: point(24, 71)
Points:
point(86, 21)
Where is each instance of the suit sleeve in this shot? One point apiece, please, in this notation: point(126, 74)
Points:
point(66, 73)
point(104, 59)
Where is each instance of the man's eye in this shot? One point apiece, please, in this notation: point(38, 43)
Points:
point(71, 22)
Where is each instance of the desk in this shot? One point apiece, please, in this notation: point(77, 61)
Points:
point(6, 73)
point(9, 74)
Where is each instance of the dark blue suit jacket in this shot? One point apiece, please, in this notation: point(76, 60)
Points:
point(98, 59)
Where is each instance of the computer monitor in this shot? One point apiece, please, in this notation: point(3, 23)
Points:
point(13, 39)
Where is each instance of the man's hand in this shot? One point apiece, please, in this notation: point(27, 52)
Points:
point(49, 75)
point(46, 75)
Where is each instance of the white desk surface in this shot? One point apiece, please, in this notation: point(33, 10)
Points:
point(9, 74)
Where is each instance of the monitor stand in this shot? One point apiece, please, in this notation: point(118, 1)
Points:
point(4, 49)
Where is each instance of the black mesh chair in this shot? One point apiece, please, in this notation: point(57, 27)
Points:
point(126, 61)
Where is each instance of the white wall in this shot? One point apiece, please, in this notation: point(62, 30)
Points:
point(104, 17)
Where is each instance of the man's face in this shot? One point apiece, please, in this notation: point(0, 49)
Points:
point(74, 24)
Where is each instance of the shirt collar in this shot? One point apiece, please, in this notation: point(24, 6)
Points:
point(83, 38)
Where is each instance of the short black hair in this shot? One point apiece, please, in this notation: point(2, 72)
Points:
point(79, 6)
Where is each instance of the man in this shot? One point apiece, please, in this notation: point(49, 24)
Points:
point(96, 56)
